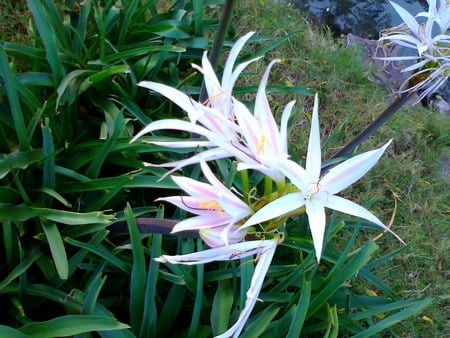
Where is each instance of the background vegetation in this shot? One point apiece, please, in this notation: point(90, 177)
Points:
point(69, 104)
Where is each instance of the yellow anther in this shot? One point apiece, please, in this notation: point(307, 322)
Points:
point(261, 144)
point(211, 205)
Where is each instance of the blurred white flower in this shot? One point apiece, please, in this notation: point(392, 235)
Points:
point(316, 191)
point(429, 43)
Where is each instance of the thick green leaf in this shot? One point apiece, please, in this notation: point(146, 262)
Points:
point(70, 325)
point(393, 319)
point(11, 85)
point(138, 273)
point(301, 310)
point(258, 325)
point(101, 252)
point(19, 160)
point(24, 212)
point(347, 272)
point(47, 26)
point(6, 331)
point(57, 248)
point(20, 269)
point(221, 307)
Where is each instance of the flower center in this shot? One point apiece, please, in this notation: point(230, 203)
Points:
point(261, 144)
point(211, 205)
point(314, 189)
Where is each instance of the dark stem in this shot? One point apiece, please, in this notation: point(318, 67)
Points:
point(218, 42)
point(154, 226)
point(370, 130)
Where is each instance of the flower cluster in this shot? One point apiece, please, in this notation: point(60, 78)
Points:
point(429, 43)
point(226, 217)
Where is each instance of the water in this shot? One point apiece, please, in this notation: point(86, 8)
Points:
point(361, 17)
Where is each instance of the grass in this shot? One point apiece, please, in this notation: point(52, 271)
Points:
point(409, 175)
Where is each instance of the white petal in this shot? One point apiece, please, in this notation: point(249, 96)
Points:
point(317, 223)
point(313, 157)
point(173, 124)
point(176, 96)
point(207, 220)
point(407, 18)
point(284, 126)
point(264, 260)
point(343, 175)
point(296, 174)
point(343, 205)
point(279, 207)
point(225, 253)
point(231, 59)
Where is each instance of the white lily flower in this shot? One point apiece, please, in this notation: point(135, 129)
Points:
point(319, 192)
point(430, 52)
point(227, 125)
point(264, 142)
point(215, 206)
point(264, 249)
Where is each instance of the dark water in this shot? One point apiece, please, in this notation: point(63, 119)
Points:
point(361, 17)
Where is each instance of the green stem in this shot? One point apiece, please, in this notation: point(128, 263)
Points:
point(370, 130)
point(218, 42)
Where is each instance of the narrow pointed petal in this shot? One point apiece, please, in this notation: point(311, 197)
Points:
point(279, 207)
point(225, 253)
point(173, 124)
point(176, 96)
point(351, 208)
point(317, 223)
point(264, 260)
point(263, 113)
point(407, 18)
point(201, 222)
point(234, 52)
point(343, 175)
point(296, 174)
point(313, 157)
point(284, 127)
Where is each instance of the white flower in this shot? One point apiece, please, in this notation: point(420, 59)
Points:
point(430, 51)
point(215, 206)
point(264, 249)
point(319, 192)
point(264, 142)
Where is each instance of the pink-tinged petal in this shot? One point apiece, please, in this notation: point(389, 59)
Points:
point(348, 207)
point(225, 253)
point(176, 96)
point(343, 175)
point(208, 220)
point(212, 83)
point(313, 157)
point(264, 259)
point(250, 127)
point(317, 223)
point(195, 188)
point(263, 113)
point(281, 206)
point(214, 236)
